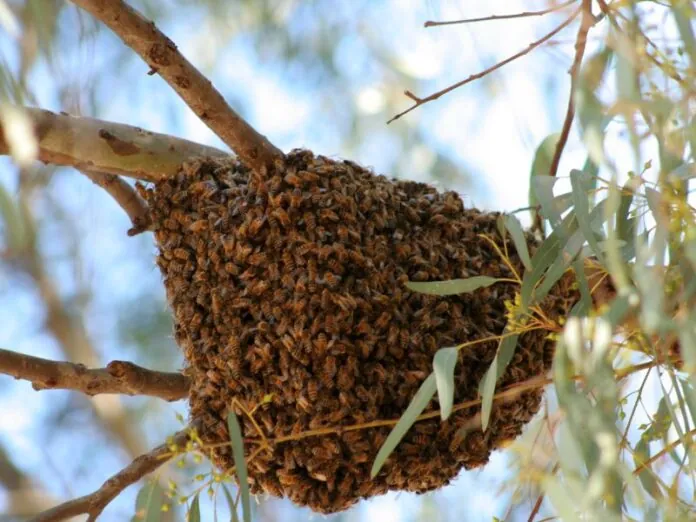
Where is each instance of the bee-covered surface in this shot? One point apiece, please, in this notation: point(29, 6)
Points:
point(289, 298)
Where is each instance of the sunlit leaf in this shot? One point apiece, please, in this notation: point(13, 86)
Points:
point(19, 134)
point(444, 363)
point(194, 514)
point(506, 350)
point(518, 238)
point(452, 287)
point(420, 400)
point(230, 502)
point(541, 166)
point(240, 463)
point(148, 503)
point(578, 182)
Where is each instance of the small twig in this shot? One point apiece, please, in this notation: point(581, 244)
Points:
point(163, 57)
point(119, 377)
point(524, 14)
point(128, 199)
point(477, 76)
point(94, 503)
point(588, 20)
point(586, 24)
point(101, 146)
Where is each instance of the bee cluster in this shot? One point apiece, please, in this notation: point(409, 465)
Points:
point(288, 292)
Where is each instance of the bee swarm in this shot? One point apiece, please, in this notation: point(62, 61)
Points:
point(288, 292)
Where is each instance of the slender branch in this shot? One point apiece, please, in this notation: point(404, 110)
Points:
point(127, 198)
point(120, 377)
point(524, 14)
point(99, 146)
point(586, 24)
point(421, 101)
point(163, 57)
point(587, 21)
point(94, 503)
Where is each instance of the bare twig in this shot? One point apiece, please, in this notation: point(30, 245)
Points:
point(524, 14)
point(586, 24)
point(93, 145)
point(477, 76)
point(163, 57)
point(94, 503)
point(121, 377)
point(127, 198)
point(587, 21)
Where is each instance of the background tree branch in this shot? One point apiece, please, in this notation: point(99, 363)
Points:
point(98, 146)
point(127, 198)
point(120, 377)
point(163, 57)
point(94, 503)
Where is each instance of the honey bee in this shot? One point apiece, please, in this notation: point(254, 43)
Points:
point(170, 224)
point(296, 198)
point(293, 179)
point(282, 216)
point(272, 272)
point(181, 253)
point(256, 225)
point(336, 266)
point(288, 261)
point(196, 320)
point(241, 303)
point(310, 221)
point(199, 226)
point(303, 403)
point(332, 279)
point(257, 259)
point(329, 370)
point(321, 343)
point(327, 214)
point(383, 320)
point(313, 390)
point(231, 268)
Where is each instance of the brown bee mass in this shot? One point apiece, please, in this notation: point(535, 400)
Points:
point(289, 297)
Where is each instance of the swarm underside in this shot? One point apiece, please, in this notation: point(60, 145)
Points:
point(290, 286)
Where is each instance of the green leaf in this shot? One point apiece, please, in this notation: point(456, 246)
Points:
point(578, 182)
point(545, 255)
point(518, 238)
point(444, 362)
point(194, 514)
point(230, 502)
point(148, 503)
point(683, 19)
point(541, 165)
point(561, 499)
point(415, 408)
point(452, 287)
point(240, 463)
point(541, 188)
point(506, 350)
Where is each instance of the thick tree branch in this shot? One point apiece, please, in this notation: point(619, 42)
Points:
point(127, 198)
point(120, 377)
point(162, 55)
point(94, 503)
point(99, 146)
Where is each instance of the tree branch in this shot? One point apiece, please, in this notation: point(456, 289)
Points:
point(120, 377)
point(99, 146)
point(162, 55)
point(127, 198)
point(422, 101)
point(94, 503)
point(525, 14)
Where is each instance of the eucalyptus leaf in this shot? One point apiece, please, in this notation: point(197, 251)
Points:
point(452, 287)
point(519, 239)
point(194, 514)
point(148, 503)
point(420, 400)
point(231, 503)
point(444, 363)
point(503, 356)
point(240, 463)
